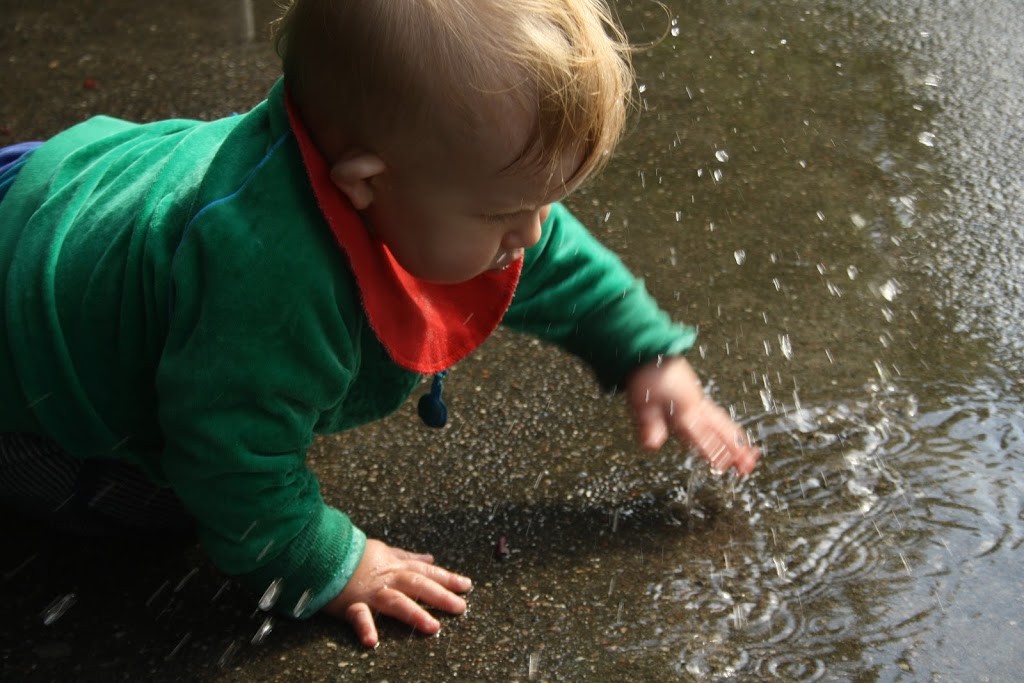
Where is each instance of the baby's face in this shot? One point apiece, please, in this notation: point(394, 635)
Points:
point(449, 233)
point(459, 215)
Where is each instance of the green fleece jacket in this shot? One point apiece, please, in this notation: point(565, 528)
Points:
point(172, 296)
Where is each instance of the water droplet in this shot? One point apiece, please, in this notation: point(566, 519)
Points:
point(642, 88)
point(717, 175)
point(852, 272)
point(858, 221)
point(926, 138)
point(674, 30)
point(820, 215)
point(722, 155)
point(271, 595)
point(740, 256)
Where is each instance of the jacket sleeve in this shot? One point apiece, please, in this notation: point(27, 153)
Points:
point(576, 293)
point(256, 352)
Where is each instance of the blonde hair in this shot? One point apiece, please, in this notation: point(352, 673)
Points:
point(397, 73)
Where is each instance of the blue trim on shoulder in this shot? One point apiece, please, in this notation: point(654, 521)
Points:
point(12, 158)
point(215, 203)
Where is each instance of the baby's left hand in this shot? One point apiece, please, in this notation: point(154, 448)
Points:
point(667, 398)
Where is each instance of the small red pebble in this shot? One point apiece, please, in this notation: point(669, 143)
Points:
point(89, 84)
point(501, 549)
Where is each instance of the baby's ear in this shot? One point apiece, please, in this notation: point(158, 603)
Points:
point(353, 174)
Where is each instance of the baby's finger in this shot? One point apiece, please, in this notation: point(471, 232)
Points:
point(415, 557)
point(359, 616)
point(651, 425)
point(429, 592)
point(450, 580)
point(734, 450)
point(397, 605)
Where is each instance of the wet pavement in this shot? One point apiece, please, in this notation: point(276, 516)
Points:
point(829, 189)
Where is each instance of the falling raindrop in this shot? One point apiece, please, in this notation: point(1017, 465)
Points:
point(858, 221)
point(181, 643)
point(674, 30)
point(271, 595)
point(229, 654)
point(58, 608)
point(741, 256)
point(717, 175)
point(302, 603)
point(780, 567)
point(926, 138)
point(889, 290)
point(263, 631)
point(533, 668)
point(722, 155)
point(852, 272)
point(786, 346)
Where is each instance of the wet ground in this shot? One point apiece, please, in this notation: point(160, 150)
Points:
point(829, 189)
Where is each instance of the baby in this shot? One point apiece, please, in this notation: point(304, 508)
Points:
point(189, 304)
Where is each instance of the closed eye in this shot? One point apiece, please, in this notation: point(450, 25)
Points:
point(501, 217)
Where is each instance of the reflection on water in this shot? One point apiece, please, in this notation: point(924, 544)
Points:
point(804, 193)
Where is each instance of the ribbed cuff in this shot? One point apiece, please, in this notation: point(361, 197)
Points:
point(357, 545)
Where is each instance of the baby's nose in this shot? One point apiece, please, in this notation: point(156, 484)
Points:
point(527, 233)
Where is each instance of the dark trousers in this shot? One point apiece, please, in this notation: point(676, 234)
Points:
point(95, 496)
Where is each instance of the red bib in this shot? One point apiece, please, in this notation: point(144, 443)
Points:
point(425, 326)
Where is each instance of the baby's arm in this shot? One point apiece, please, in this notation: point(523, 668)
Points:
point(390, 581)
point(578, 294)
point(666, 398)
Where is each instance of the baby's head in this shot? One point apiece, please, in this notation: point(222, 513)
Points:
point(441, 113)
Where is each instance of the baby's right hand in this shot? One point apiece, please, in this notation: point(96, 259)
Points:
point(394, 582)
